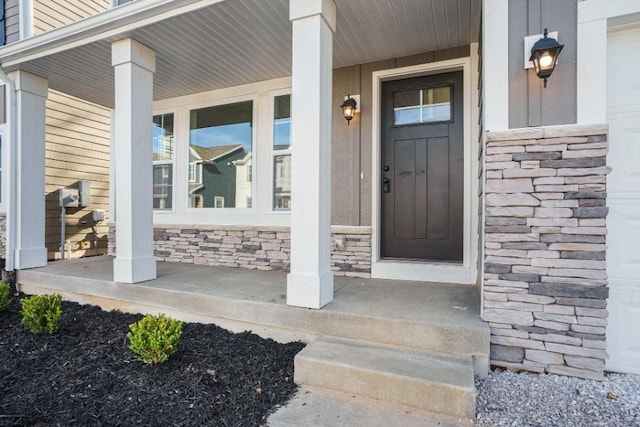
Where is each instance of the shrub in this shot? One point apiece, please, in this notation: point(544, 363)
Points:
point(41, 313)
point(5, 295)
point(154, 338)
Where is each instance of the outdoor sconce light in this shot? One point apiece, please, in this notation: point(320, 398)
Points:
point(349, 107)
point(544, 55)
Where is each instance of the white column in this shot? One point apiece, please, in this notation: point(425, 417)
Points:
point(28, 170)
point(134, 66)
point(592, 71)
point(495, 64)
point(310, 283)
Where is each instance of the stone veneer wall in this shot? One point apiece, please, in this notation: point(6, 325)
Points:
point(545, 281)
point(262, 248)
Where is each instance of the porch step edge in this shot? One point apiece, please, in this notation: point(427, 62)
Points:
point(438, 383)
point(440, 338)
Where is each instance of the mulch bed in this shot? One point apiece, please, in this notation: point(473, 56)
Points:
point(86, 375)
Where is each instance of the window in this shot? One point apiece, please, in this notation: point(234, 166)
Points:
point(220, 151)
point(163, 155)
point(422, 106)
point(282, 152)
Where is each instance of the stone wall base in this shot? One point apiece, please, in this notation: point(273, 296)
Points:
point(545, 277)
point(261, 248)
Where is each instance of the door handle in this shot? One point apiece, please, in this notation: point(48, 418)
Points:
point(386, 185)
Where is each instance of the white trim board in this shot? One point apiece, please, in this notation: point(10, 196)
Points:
point(466, 272)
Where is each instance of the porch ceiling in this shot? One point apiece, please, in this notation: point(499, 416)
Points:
point(211, 44)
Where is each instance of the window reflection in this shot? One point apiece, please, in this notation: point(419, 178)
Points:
point(422, 106)
point(282, 182)
point(163, 148)
point(281, 152)
point(220, 156)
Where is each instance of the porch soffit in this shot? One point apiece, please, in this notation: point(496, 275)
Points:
point(218, 44)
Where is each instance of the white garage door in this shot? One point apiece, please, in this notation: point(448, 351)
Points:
point(623, 186)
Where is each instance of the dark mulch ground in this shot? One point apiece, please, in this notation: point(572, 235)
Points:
point(86, 375)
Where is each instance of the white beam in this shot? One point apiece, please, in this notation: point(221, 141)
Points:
point(29, 169)
point(310, 283)
point(495, 64)
point(134, 66)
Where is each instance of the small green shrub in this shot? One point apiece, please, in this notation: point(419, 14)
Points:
point(41, 313)
point(5, 295)
point(154, 338)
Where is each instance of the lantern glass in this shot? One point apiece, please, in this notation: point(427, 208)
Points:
point(349, 108)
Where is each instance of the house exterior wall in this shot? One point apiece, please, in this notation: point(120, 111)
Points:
point(12, 20)
point(77, 148)
point(351, 184)
point(254, 247)
point(77, 145)
point(545, 279)
point(529, 103)
point(352, 145)
point(50, 14)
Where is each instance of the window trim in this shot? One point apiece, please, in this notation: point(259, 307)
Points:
point(253, 97)
point(169, 162)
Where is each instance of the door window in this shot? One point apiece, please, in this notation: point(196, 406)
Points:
point(429, 105)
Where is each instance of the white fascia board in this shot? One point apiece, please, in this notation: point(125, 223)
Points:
point(103, 26)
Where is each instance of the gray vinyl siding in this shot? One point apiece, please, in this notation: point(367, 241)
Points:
point(12, 20)
point(352, 145)
point(529, 103)
point(50, 14)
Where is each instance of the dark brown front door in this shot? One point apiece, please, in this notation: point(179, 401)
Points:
point(422, 168)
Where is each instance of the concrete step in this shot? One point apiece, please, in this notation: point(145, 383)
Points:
point(439, 383)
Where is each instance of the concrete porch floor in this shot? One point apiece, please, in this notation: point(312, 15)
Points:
point(427, 338)
point(195, 292)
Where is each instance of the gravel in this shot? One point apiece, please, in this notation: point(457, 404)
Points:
point(507, 398)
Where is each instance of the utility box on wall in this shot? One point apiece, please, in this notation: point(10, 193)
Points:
point(84, 190)
point(69, 198)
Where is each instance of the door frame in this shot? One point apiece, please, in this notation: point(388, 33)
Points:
point(430, 271)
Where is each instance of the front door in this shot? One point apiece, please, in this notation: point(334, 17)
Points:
point(422, 168)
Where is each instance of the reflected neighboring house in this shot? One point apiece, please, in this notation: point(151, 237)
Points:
point(244, 178)
point(212, 175)
point(282, 181)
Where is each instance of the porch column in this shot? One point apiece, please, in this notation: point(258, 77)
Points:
point(495, 64)
point(134, 66)
point(28, 170)
point(310, 283)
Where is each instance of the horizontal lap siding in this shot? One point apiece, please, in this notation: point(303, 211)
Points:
point(78, 139)
point(50, 14)
point(12, 20)
point(77, 148)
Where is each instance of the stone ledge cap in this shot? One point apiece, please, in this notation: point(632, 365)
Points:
point(556, 131)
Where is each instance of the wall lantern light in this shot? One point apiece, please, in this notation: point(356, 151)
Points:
point(349, 107)
point(544, 55)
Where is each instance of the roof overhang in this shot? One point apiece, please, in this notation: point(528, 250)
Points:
point(204, 45)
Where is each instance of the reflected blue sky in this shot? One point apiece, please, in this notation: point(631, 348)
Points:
point(216, 136)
